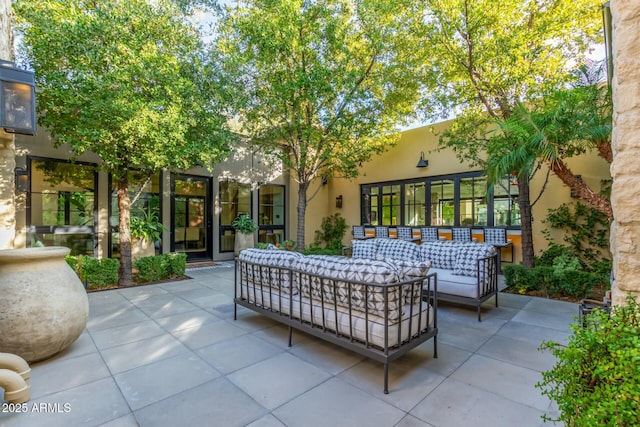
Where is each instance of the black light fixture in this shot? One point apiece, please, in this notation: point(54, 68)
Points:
point(422, 163)
point(17, 99)
point(339, 202)
point(22, 179)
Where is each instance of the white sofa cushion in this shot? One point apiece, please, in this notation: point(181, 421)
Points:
point(449, 283)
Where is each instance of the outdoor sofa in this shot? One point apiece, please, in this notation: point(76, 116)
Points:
point(372, 307)
point(467, 272)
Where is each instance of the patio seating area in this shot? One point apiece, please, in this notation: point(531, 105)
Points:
point(171, 354)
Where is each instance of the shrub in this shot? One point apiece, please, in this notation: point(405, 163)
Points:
point(331, 233)
point(596, 381)
point(177, 264)
point(563, 279)
point(313, 250)
point(96, 273)
point(152, 268)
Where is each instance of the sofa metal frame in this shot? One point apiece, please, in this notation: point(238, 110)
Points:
point(384, 354)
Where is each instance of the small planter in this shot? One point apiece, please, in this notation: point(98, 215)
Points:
point(588, 305)
point(43, 305)
point(243, 241)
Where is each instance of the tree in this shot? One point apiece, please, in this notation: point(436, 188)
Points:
point(128, 81)
point(486, 57)
point(562, 125)
point(322, 85)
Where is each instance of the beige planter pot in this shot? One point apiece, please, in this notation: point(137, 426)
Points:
point(142, 248)
point(44, 306)
point(243, 241)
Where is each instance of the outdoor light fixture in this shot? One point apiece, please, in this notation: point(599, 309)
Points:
point(17, 99)
point(339, 202)
point(422, 163)
point(22, 179)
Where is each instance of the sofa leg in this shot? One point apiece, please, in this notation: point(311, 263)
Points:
point(386, 377)
point(479, 319)
point(235, 311)
point(435, 347)
point(290, 334)
point(496, 299)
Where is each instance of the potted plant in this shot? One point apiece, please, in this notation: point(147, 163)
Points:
point(146, 229)
point(245, 229)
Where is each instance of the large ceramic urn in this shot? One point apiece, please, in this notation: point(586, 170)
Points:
point(43, 304)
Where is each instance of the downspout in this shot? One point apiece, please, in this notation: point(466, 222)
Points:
point(15, 388)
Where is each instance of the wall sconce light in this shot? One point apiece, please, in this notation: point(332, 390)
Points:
point(339, 202)
point(17, 99)
point(22, 179)
point(422, 163)
point(574, 194)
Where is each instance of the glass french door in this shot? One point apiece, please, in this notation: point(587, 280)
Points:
point(191, 216)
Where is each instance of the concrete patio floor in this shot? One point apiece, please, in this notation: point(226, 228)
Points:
point(171, 354)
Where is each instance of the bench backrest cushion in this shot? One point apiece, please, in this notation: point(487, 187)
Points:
point(397, 249)
point(364, 248)
point(409, 270)
point(340, 271)
point(441, 253)
point(468, 254)
point(269, 258)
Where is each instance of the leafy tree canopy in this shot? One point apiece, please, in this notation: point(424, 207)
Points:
point(124, 79)
point(321, 84)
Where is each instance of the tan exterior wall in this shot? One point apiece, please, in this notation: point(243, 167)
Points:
point(399, 163)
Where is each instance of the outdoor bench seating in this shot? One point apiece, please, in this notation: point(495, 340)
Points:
point(467, 272)
point(374, 308)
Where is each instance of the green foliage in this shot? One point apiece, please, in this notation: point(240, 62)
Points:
point(585, 235)
point(314, 250)
point(152, 268)
point(331, 233)
point(596, 381)
point(177, 264)
point(244, 224)
point(126, 80)
point(262, 245)
point(97, 273)
point(161, 267)
point(564, 278)
point(287, 245)
point(146, 225)
point(320, 85)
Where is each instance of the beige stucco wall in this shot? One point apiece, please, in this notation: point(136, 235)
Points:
point(399, 163)
point(625, 169)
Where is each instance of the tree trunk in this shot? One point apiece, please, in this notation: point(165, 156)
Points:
point(526, 220)
point(581, 189)
point(124, 218)
point(302, 209)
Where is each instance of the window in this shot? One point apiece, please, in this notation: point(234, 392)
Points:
point(414, 204)
point(144, 193)
point(62, 205)
point(271, 213)
point(452, 200)
point(235, 199)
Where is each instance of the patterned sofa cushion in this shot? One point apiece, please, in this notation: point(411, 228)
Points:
point(364, 248)
point(397, 249)
point(442, 253)
point(467, 256)
point(265, 258)
point(408, 270)
point(345, 270)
